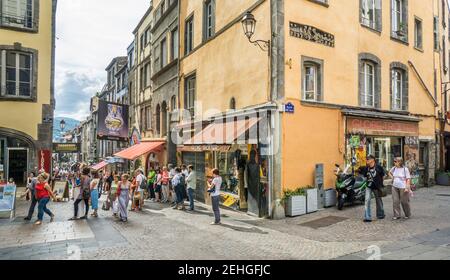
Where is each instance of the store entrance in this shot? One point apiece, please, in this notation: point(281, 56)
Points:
point(17, 166)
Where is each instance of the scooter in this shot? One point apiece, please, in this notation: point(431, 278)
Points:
point(350, 188)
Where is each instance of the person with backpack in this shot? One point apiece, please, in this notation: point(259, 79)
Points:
point(141, 186)
point(375, 175)
point(401, 189)
point(84, 194)
point(178, 183)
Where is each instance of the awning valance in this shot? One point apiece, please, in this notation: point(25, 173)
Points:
point(99, 166)
point(138, 150)
point(226, 132)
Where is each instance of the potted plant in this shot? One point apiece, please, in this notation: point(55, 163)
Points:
point(295, 202)
point(443, 178)
point(401, 32)
point(311, 199)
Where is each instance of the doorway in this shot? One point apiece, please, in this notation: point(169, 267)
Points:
point(18, 166)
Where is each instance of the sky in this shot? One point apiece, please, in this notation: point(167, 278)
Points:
point(89, 35)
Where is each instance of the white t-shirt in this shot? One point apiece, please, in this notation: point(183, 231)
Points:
point(217, 183)
point(401, 175)
point(139, 180)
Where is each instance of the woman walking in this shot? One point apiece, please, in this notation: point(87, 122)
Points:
point(124, 197)
point(43, 194)
point(84, 195)
point(165, 185)
point(112, 195)
point(214, 189)
point(401, 190)
point(94, 193)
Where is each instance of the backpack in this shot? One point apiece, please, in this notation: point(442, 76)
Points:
point(182, 181)
point(143, 185)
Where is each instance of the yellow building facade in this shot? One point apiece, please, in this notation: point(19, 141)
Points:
point(27, 40)
point(340, 80)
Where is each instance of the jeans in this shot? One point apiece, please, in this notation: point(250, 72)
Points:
point(42, 207)
point(191, 198)
point(379, 202)
point(33, 204)
point(179, 193)
point(86, 203)
point(215, 205)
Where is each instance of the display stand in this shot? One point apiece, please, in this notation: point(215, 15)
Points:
point(8, 199)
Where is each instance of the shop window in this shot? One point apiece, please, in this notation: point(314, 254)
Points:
point(371, 14)
point(312, 81)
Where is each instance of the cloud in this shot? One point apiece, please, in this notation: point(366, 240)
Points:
point(90, 34)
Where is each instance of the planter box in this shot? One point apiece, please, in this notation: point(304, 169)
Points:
point(311, 200)
point(296, 206)
point(330, 198)
point(442, 179)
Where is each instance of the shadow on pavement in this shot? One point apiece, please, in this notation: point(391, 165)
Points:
point(244, 229)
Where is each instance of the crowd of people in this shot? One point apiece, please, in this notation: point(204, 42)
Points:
point(168, 185)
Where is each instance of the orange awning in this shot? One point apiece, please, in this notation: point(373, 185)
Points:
point(99, 165)
point(138, 150)
point(226, 132)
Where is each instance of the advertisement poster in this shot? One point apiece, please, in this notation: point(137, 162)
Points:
point(45, 160)
point(112, 121)
point(7, 197)
point(135, 137)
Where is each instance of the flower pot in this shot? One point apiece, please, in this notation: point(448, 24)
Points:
point(442, 179)
point(296, 206)
point(311, 200)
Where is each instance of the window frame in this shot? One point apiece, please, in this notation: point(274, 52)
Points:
point(34, 19)
point(318, 91)
point(366, 65)
point(190, 93)
point(189, 35)
point(209, 19)
point(418, 44)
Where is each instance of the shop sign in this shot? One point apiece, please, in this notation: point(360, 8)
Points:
point(382, 127)
point(312, 34)
point(7, 197)
point(205, 148)
point(45, 160)
point(67, 148)
point(289, 108)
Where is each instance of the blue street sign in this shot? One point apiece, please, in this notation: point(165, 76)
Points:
point(289, 108)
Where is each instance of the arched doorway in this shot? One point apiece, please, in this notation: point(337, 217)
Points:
point(164, 119)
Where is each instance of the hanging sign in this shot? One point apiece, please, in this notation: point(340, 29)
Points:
point(44, 162)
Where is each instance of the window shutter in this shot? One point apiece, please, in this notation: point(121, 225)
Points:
point(405, 93)
point(378, 15)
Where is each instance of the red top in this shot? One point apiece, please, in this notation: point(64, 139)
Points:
point(41, 192)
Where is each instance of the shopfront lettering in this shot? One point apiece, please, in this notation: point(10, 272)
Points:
point(382, 127)
point(312, 34)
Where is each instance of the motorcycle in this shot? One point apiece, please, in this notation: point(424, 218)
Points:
point(350, 188)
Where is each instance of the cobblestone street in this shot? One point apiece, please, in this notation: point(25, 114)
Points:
point(161, 233)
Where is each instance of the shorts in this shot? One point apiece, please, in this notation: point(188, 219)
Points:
point(158, 188)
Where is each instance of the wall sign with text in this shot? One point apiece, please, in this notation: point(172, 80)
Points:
point(312, 34)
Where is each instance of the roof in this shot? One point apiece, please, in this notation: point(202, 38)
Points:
point(120, 60)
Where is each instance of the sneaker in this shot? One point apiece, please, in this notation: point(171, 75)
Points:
point(396, 218)
point(84, 218)
point(216, 224)
point(52, 219)
point(73, 219)
point(407, 218)
point(381, 218)
point(38, 223)
point(367, 221)
point(27, 219)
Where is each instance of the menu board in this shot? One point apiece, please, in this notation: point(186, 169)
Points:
point(7, 197)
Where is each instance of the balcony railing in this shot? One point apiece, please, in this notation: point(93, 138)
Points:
point(13, 20)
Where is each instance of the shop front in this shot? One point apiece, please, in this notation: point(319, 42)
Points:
point(383, 137)
point(140, 154)
point(237, 147)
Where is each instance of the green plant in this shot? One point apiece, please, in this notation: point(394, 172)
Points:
point(291, 193)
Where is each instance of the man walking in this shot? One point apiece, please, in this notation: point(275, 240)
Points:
point(191, 182)
point(32, 180)
point(375, 175)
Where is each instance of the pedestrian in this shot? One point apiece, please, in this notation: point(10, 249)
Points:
point(100, 184)
point(141, 184)
point(94, 193)
point(123, 195)
point(31, 189)
point(375, 175)
point(112, 195)
point(84, 194)
point(214, 190)
point(43, 193)
point(184, 170)
point(172, 193)
point(151, 183)
point(165, 185)
point(158, 188)
point(401, 190)
point(191, 182)
point(178, 183)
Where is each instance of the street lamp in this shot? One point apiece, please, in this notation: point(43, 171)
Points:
point(249, 26)
point(62, 125)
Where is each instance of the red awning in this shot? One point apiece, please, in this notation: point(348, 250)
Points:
point(99, 165)
point(220, 133)
point(138, 150)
